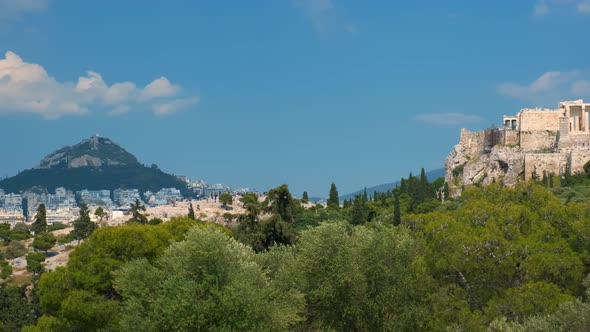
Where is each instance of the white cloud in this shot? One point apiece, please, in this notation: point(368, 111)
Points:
point(160, 87)
point(27, 88)
point(448, 118)
point(167, 108)
point(584, 7)
point(14, 8)
point(541, 9)
point(550, 88)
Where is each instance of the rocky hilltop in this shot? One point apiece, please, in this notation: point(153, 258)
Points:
point(467, 163)
point(94, 164)
point(93, 152)
point(534, 143)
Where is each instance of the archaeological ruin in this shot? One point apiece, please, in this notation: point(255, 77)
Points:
point(534, 142)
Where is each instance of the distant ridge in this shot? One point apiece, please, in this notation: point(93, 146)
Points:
point(431, 175)
point(95, 163)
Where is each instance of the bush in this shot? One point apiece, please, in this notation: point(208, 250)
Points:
point(457, 170)
point(56, 226)
point(34, 262)
point(63, 239)
point(20, 231)
point(155, 221)
point(15, 249)
point(44, 241)
point(5, 269)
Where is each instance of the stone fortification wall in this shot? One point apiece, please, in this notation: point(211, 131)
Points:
point(472, 141)
point(510, 137)
point(577, 160)
point(539, 120)
point(538, 140)
point(548, 162)
point(575, 141)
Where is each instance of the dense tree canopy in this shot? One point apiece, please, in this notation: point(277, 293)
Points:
point(494, 259)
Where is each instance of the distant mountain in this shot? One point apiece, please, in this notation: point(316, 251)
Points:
point(95, 163)
point(431, 175)
point(93, 152)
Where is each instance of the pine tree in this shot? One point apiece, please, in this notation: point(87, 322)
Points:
point(136, 215)
point(304, 198)
point(100, 213)
point(83, 226)
point(40, 224)
point(333, 199)
point(397, 216)
point(191, 212)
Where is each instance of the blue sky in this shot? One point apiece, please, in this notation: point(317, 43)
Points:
point(263, 92)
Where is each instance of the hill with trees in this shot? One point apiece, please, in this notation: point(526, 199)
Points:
point(96, 163)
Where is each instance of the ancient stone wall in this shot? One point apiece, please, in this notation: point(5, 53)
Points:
point(577, 141)
point(537, 120)
point(510, 138)
point(538, 140)
point(472, 141)
point(577, 160)
point(548, 162)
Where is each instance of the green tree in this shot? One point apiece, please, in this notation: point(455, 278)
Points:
point(83, 226)
point(5, 232)
point(35, 262)
point(21, 231)
point(100, 213)
point(305, 198)
point(252, 206)
point(333, 198)
point(207, 282)
point(5, 269)
point(136, 215)
point(191, 212)
point(40, 223)
point(397, 214)
point(358, 278)
point(15, 249)
point(225, 199)
point(17, 311)
point(279, 201)
point(44, 241)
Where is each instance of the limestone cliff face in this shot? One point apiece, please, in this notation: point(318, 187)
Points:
point(467, 164)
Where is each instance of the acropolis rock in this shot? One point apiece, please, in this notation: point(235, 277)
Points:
point(533, 142)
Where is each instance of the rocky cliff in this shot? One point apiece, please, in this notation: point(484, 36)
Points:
point(469, 164)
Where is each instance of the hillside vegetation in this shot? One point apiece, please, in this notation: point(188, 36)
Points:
point(495, 259)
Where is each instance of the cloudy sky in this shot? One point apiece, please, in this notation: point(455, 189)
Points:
point(263, 92)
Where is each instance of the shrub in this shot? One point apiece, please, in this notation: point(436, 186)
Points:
point(15, 249)
point(57, 226)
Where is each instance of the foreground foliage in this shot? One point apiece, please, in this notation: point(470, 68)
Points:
point(496, 259)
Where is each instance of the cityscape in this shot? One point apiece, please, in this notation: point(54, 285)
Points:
point(62, 205)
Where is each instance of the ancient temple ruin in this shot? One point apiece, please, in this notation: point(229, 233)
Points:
point(534, 141)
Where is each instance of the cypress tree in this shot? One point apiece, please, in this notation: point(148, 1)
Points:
point(333, 198)
point(191, 212)
point(40, 224)
point(397, 217)
point(304, 197)
point(446, 191)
